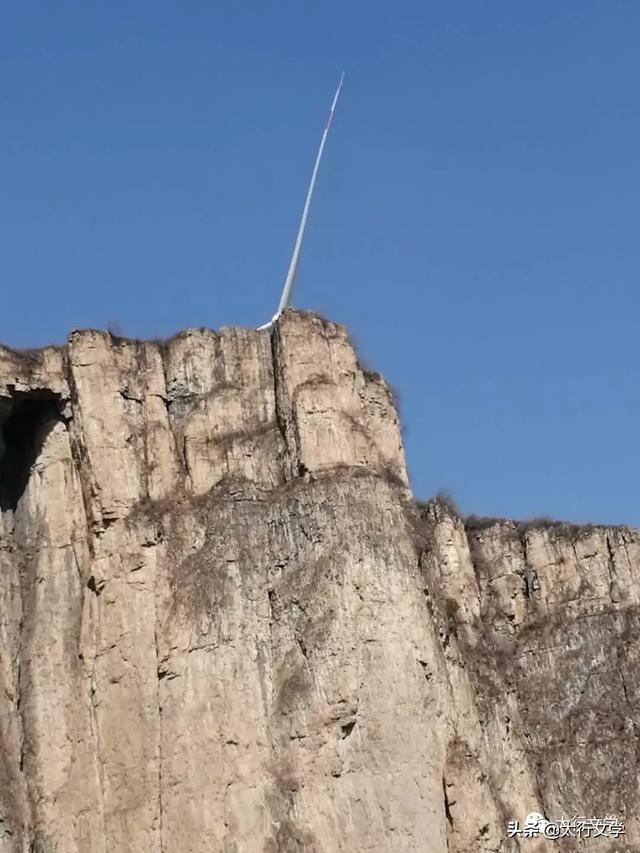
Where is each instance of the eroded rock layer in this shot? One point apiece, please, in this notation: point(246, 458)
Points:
point(226, 626)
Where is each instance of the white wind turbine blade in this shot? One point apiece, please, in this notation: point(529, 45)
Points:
point(291, 274)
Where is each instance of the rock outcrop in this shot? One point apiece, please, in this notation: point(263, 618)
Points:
point(225, 625)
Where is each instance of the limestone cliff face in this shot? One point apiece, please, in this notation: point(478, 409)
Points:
point(226, 626)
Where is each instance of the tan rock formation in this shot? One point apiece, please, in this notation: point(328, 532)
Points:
point(226, 626)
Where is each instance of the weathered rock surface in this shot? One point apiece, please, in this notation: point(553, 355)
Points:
point(226, 626)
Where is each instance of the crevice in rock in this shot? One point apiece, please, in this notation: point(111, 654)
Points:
point(621, 653)
point(127, 395)
point(26, 419)
point(275, 364)
point(303, 647)
point(96, 586)
point(96, 734)
point(347, 728)
point(80, 456)
point(185, 457)
point(272, 599)
point(426, 669)
point(447, 803)
point(528, 586)
point(174, 428)
point(611, 569)
point(291, 462)
point(18, 705)
point(163, 671)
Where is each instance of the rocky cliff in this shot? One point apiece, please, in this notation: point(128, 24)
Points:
point(225, 625)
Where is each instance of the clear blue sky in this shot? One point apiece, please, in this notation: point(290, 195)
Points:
point(475, 225)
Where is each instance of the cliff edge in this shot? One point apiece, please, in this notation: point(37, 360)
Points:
point(225, 624)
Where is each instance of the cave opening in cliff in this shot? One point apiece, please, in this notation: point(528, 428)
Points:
point(26, 419)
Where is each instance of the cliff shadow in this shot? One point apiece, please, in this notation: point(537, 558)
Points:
point(26, 419)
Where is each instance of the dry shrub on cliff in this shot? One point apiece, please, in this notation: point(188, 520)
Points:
point(481, 522)
point(444, 501)
point(566, 529)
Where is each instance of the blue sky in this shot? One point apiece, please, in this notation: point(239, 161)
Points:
point(475, 223)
